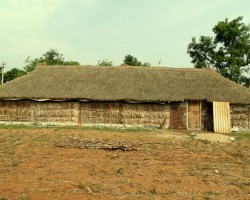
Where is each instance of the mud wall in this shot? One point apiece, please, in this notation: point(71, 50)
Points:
point(28, 111)
point(139, 114)
point(80, 113)
point(240, 116)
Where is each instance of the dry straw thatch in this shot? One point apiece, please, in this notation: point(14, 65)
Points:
point(126, 83)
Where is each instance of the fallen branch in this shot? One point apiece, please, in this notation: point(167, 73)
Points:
point(74, 142)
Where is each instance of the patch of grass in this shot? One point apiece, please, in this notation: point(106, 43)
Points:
point(81, 185)
point(15, 162)
point(120, 171)
point(207, 198)
point(22, 197)
point(97, 128)
point(4, 198)
point(117, 129)
point(206, 142)
point(6, 149)
point(211, 193)
point(238, 184)
point(33, 126)
point(161, 172)
point(241, 135)
point(17, 126)
point(153, 190)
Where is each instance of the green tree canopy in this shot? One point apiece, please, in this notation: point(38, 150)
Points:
point(228, 52)
point(132, 61)
point(104, 63)
point(13, 73)
point(51, 57)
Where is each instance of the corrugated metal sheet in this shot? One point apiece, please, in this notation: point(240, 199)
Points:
point(221, 114)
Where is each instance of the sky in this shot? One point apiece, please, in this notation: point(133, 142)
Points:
point(91, 30)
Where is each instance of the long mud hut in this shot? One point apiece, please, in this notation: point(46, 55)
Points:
point(126, 96)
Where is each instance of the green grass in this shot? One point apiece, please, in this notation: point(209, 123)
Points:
point(15, 162)
point(99, 128)
point(241, 135)
point(20, 126)
point(118, 129)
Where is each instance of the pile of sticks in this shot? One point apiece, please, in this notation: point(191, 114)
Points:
point(93, 143)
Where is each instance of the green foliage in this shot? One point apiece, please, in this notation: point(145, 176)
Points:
point(13, 73)
point(228, 52)
point(51, 57)
point(71, 62)
point(245, 81)
point(132, 61)
point(105, 63)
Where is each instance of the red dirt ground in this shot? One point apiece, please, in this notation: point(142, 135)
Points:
point(168, 165)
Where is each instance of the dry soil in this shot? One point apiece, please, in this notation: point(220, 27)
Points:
point(165, 165)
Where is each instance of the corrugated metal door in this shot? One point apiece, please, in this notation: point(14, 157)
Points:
point(221, 115)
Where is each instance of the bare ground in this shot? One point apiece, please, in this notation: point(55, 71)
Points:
point(165, 165)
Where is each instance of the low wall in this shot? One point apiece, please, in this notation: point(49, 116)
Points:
point(79, 113)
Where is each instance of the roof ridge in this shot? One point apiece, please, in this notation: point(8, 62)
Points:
point(121, 67)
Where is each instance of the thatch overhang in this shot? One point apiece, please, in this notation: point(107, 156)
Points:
point(124, 83)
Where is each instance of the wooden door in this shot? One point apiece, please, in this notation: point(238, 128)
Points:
point(194, 115)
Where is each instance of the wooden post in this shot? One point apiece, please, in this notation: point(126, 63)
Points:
point(76, 113)
point(232, 116)
point(187, 114)
point(249, 117)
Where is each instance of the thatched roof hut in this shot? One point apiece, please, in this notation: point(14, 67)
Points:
point(127, 83)
point(125, 95)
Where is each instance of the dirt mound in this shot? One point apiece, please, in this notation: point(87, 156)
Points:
point(214, 137)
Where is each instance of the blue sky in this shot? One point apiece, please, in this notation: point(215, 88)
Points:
point(92, 30)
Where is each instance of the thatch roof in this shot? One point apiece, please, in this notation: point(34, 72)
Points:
point(144, 84)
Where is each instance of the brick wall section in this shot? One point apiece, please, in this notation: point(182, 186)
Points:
point(178, 115)
point(240, 116)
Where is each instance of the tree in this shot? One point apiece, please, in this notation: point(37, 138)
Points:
point(132, 61)
point(228, 52)
point(104, 63)
point(13, 73)
point(51, 57)
point(244, 80)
